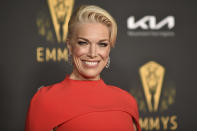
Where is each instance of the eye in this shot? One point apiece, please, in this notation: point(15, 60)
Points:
point(82, 42)
point(103, 44)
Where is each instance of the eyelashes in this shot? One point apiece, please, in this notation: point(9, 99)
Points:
point(101, 44)
point(81, 42)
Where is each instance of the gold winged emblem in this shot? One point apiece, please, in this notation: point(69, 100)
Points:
point(152, 75)
point(60, 12)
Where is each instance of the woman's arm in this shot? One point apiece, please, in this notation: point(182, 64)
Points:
point(134, 125)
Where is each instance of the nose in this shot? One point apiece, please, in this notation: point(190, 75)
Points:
point(92, 50)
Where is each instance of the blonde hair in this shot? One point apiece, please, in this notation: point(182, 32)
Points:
point(92, 13)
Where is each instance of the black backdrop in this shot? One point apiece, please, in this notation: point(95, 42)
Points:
point(173, 48)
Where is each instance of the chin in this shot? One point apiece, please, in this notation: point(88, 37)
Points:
point(90, 74)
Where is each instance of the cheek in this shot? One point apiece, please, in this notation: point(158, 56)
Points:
point(105, 53)
point(77, 51)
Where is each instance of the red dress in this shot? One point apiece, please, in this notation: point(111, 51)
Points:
point(75, 105)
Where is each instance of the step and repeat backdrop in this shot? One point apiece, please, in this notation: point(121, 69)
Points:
point(154, 58)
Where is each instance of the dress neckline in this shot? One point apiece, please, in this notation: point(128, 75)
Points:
point(84, 83)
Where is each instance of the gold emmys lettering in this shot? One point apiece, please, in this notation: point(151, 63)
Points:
point(152, 76)
point(60, 11)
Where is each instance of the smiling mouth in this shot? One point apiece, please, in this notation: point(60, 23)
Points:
point(91, 63)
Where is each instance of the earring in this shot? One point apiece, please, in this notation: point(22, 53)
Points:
point(108, 63)
point(70, 59)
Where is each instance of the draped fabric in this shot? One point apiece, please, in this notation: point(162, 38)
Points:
point(75, 105)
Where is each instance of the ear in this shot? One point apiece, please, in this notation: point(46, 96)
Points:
point(69, 46)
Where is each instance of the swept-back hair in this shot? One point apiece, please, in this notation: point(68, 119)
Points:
point(92, 13)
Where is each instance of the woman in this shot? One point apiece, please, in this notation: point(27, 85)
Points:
point(82, 101)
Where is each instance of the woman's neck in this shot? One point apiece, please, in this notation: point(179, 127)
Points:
point(75, 75)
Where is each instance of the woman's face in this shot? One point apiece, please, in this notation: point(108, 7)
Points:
point(90, 48)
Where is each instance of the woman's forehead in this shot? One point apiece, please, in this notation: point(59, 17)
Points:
point(91, 31)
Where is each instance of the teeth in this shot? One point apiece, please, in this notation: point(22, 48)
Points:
point(90, 63)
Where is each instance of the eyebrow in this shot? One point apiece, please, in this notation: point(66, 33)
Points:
point(89, 41)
